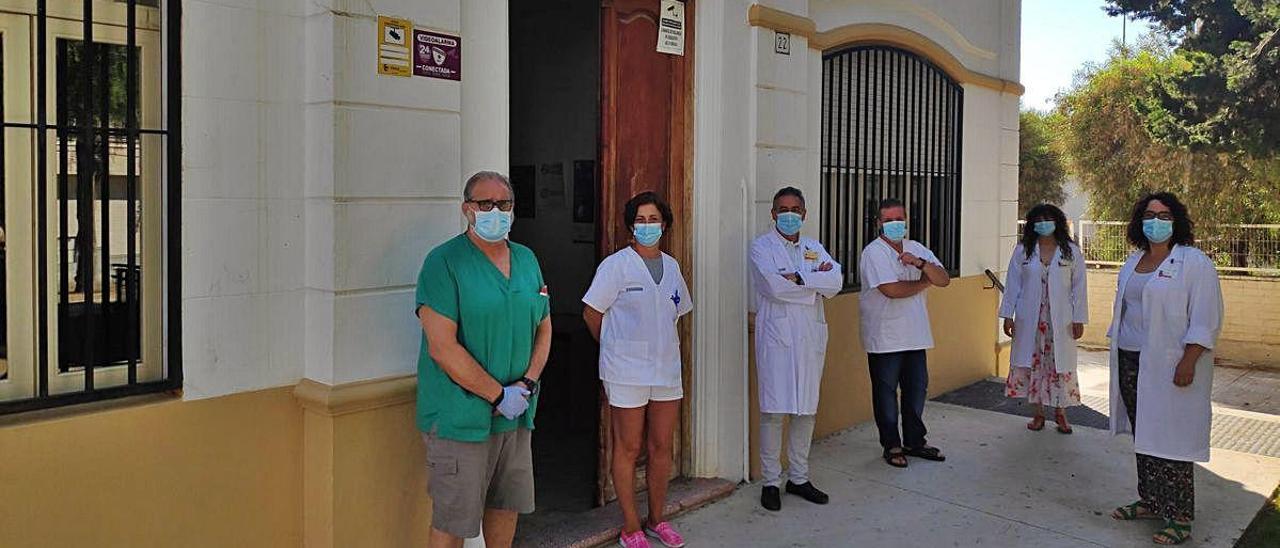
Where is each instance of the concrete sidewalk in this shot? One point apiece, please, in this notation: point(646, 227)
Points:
point(1002, 485)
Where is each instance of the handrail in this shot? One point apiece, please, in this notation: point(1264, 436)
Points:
point(995, 282)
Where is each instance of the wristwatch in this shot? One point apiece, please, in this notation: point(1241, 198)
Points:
point(920, 265)
point(532, 384)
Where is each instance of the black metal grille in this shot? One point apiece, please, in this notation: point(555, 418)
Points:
point(890, 129)
point(97, 116)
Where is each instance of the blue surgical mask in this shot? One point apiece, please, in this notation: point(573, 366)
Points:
point(492, 225)
point(1157, 231)
point(647, 234)
point(895, 231)
point(789, 223)
point(1044, 228)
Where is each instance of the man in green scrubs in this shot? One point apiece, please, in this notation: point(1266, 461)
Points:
point(486, 321)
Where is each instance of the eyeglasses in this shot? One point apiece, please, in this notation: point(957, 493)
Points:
point(488, 205)
point(1163, 215)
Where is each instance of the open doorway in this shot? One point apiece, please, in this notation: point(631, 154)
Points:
point(555, 120)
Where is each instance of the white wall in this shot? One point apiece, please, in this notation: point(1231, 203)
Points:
point(313, 188)
point(243, 233)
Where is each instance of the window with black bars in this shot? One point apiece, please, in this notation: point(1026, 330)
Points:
point(891, 125)
point(90, 204)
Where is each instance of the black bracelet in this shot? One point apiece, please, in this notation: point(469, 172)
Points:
point(498, 400)
point(532, 384)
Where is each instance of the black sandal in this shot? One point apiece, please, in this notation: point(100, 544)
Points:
point(927, 453)
point(895, 457)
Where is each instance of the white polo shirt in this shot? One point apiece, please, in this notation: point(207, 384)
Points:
point(892, 325)
point(639, 345)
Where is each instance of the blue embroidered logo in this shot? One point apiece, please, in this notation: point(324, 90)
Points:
point(675, 298)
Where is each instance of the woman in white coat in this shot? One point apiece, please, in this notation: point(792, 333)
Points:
point(1167, 316)
point(632, 307)
point(1045, 308)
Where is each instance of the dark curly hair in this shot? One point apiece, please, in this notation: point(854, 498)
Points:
point(632, 208)
point(1061, 232)
point(1182, 223)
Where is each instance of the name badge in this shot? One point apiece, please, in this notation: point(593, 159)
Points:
point(631, 289)
point(810, 255)
point(1170, 271)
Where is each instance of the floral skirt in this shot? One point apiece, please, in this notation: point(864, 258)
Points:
point(1042, 383)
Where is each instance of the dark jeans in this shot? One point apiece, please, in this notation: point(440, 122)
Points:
point(889, 372)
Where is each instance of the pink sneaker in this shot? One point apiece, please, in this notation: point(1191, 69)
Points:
point(666, 534)
point(633, 540)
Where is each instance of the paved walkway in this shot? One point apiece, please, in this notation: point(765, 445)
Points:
point(1002, 484)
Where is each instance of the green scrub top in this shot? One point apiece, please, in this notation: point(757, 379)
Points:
point(497, 321)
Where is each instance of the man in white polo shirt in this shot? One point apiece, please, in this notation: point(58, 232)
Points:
point(895, 272)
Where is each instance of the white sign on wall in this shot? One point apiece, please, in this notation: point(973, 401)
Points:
point(671, 27)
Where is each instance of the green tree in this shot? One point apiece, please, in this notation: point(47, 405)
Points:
point(1103, 132)
point(1225, 94)
point(1041, 168)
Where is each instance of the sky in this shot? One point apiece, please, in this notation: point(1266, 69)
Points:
point(1060, 36)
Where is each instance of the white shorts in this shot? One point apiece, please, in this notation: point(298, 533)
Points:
point(628, 396)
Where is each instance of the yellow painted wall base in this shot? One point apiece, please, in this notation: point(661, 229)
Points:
point(963, 319)
point(218, 472)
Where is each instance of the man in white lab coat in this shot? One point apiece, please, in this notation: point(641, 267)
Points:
point(791, 274)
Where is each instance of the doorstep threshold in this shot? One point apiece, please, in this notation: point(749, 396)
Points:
point(601, 526)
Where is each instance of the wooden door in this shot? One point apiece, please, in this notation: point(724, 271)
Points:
point(645, 144)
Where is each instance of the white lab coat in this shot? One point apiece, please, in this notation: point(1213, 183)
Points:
point(791, 326)
point(1183, 305)
point(639, 345)
point(1068, 304)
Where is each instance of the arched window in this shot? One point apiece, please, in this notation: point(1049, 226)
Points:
point(890, 129)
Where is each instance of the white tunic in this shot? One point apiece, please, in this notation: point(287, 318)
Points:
point(791, 326)
point(1183, 305)
point(639, 345)
point(892, 325)
point(1068, 303)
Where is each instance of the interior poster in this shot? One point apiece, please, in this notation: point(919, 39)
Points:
point(550, 189)
point(671, 27)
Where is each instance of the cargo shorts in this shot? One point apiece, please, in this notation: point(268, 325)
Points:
point(466, 478)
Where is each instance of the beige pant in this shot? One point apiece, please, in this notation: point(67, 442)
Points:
point(466, 478)
point(799, 440)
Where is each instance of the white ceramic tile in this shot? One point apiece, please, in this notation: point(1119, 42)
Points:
point(356, 77)
point(282, 60)
point(318, 142)
point(776, 168)
point(285, 323)
point(224, 345)
point(395, 152)
point(1009, 218)
point(382, 244)
point(318, 333)
point(221, 48)
point(375, 335)
point(435, 14)
point(220, 247)
point(778, 70)
point(318, 32)
point(1008, 146)
point(318, 238)
point(284, 247)
point(979, 253)
point(282, 127)
point(1009, 182)
point(782, 118)
point(221, 148)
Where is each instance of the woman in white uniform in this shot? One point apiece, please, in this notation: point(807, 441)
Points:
point(1045, 308)
point(633, 304)
point(1166, 319)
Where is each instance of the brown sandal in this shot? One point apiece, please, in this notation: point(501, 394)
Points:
point(1063, 426)
point(1036, 424)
